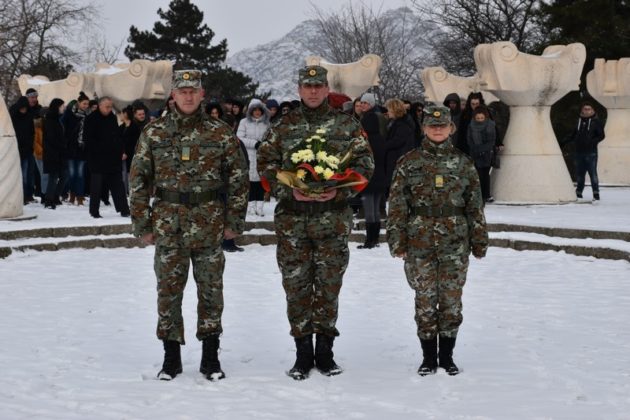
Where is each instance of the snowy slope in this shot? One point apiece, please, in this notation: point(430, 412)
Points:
point(545, 336)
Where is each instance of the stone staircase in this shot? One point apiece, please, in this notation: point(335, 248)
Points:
point(594, 243)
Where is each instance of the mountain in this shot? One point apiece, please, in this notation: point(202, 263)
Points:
point(274, 65)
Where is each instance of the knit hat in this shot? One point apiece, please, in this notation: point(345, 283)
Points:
point(272, 103)
point(369, 98)
point(30, 92)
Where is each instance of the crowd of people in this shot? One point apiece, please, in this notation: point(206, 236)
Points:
point(71, 151)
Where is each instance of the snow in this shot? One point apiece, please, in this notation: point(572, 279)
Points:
point(544, 335)
point(37, 81)
point(109, 70)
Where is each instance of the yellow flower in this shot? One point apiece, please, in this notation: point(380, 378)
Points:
point(321, 156)
point(318, 169)
point(310, 139)
point(316, 138)
point(295, 157)
point(332, 161)
point(301, 174)
point(328, 173)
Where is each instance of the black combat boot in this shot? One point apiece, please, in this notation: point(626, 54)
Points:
point(429, 357)
point(369, 237)
point(210, 365)
point(172, 365)
point(446, 355)
point(304, 355)
point(324, 356)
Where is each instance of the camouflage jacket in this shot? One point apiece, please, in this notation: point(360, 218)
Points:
point(344, 135)
point(437, 175)
point(181, 154)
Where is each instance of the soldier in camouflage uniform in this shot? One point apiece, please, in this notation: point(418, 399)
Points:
point(184, 159)
point(435, 220)
point(313, 232)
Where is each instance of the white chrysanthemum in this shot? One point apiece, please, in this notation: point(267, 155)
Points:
point(321, 131)
point(328, 173)
point(318, 169)
point(295, 157)
point(315, 137)
point(322, 156)
point(307, 155)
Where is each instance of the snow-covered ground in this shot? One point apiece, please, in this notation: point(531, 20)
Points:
point(545, 336)
point(612, 213)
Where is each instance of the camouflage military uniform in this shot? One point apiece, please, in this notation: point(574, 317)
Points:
point(312, 247)
point(436, 218)
point(186, 159)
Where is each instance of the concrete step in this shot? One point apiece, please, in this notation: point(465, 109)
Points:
point(116, 236)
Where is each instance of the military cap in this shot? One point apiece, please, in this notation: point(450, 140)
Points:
point(186, 78)
point(313, 75)
point(436, 115)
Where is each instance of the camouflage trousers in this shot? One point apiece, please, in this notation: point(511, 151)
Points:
point(171, 269)
point(313, 256)
point(438, 283)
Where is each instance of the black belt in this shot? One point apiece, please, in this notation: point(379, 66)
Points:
point(192, 198)
point(443, 211)
point(313, 207)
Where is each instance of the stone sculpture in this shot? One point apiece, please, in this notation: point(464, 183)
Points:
point(351, 79)
point(609, 84)
point(438, 83)
point(11, 194)
point(532, 167)
point(147, 80)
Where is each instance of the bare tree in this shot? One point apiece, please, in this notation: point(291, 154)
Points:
point(35, 34)
point(397, 36)
point(98, 49)
point(468, 23)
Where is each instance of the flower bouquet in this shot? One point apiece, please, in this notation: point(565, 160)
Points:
point(314, 170)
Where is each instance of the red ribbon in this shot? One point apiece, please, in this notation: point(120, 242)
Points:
point(352, 176)
point(310, 169)
point(265, 184)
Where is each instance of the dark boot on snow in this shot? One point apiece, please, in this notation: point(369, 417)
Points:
point(324, 356)
point(210, 365)
point(429, 357)
point(446, 355)
point(172, 365)
point(304, 358)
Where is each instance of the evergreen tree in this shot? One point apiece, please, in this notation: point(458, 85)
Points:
point(182, 37)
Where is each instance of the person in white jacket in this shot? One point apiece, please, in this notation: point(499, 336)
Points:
point(250, 131)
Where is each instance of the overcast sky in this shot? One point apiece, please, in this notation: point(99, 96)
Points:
point(244, 23)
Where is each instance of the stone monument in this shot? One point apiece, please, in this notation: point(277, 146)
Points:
point(351, 79)
point(438, 83)
point(609, 84)
point(147, 80)
point(11, 194)
point(532, 167)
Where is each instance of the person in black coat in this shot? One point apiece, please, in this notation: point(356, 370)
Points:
point(475, 100)
point(588, 133)
point(105, 149)
point(400, 136)
point(74, 122)
point(372, 123)
point(55, 152)
point(22, 122)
